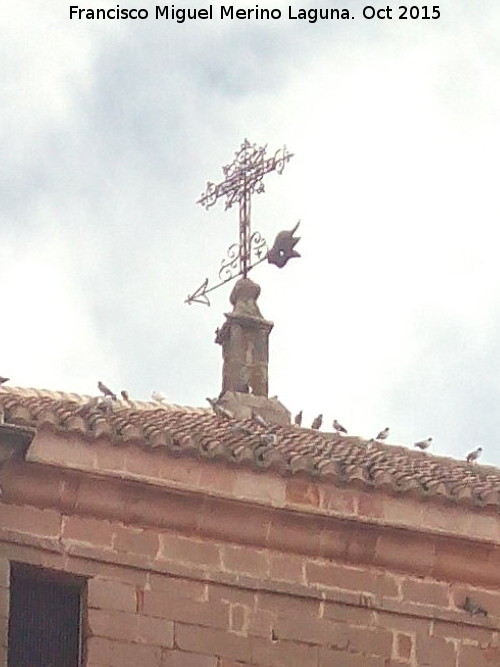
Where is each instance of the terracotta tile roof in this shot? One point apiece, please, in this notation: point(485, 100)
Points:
point(198, 432)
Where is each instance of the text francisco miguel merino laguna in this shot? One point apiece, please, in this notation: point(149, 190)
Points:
point(181, 14)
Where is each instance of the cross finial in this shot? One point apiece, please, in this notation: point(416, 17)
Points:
point(242, 178)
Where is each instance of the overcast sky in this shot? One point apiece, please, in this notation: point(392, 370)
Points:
point(110, 131)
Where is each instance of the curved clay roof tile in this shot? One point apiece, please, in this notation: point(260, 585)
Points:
point(191, 431)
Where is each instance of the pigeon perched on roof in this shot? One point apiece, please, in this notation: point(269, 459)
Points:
point(219, 410)
point(105, 391)
point(259, 419)
point(338, 427)
point(124, 395)
point(298, 419)
point(473, 608)
point(89, 405)
point(158, 397)
point(317, 421)
point(105, 404)
point(383, 434)
point(472, 457)
point(213, 402)
point(270, 438)
point(423, 444)
point(3, 380)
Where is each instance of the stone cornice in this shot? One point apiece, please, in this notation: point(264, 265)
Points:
point(427, 515)
point(345, 525)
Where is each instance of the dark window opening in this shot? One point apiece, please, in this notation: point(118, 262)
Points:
point(44, 618)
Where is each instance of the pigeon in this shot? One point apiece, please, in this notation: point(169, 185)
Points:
point(383, 434)
point(219, 410)
point(3, 380)
point(105, 391)
point(124, 395)
point(213, 402)
point(472, 457)
point(298, 419)
point(423, 444)
point(158, 397)
point(317, 421)
point(338, 427)
point(259, 419)
point(88, 406)
point(270, 438)
point(473, 608)
point(105, 404)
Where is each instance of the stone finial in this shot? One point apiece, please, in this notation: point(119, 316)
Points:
point(244, 337)
point(244, 298)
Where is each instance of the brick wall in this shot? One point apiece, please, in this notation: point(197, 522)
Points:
point(159, 598)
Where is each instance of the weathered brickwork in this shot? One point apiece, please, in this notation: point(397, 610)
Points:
point(161, 599)
point(196, 563)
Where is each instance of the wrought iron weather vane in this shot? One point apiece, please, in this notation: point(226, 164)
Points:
point(243, 178)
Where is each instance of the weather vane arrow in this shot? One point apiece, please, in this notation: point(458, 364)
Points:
point(243, 178)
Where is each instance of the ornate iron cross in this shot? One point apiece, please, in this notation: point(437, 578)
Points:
point(243, 178)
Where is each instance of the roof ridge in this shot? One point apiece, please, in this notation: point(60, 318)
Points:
point(81, 399)
point(286, 449)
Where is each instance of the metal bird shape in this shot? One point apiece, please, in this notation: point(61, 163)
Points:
point(3, 380)
point(473, 608)
point(124, 395)
point(105, 391)
point(284, 247)
point(317, 421)
point(158, 397)
point(383, 434)
point(298, 419)
point(423, 444)
point(338, 427)
point(472, 457)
